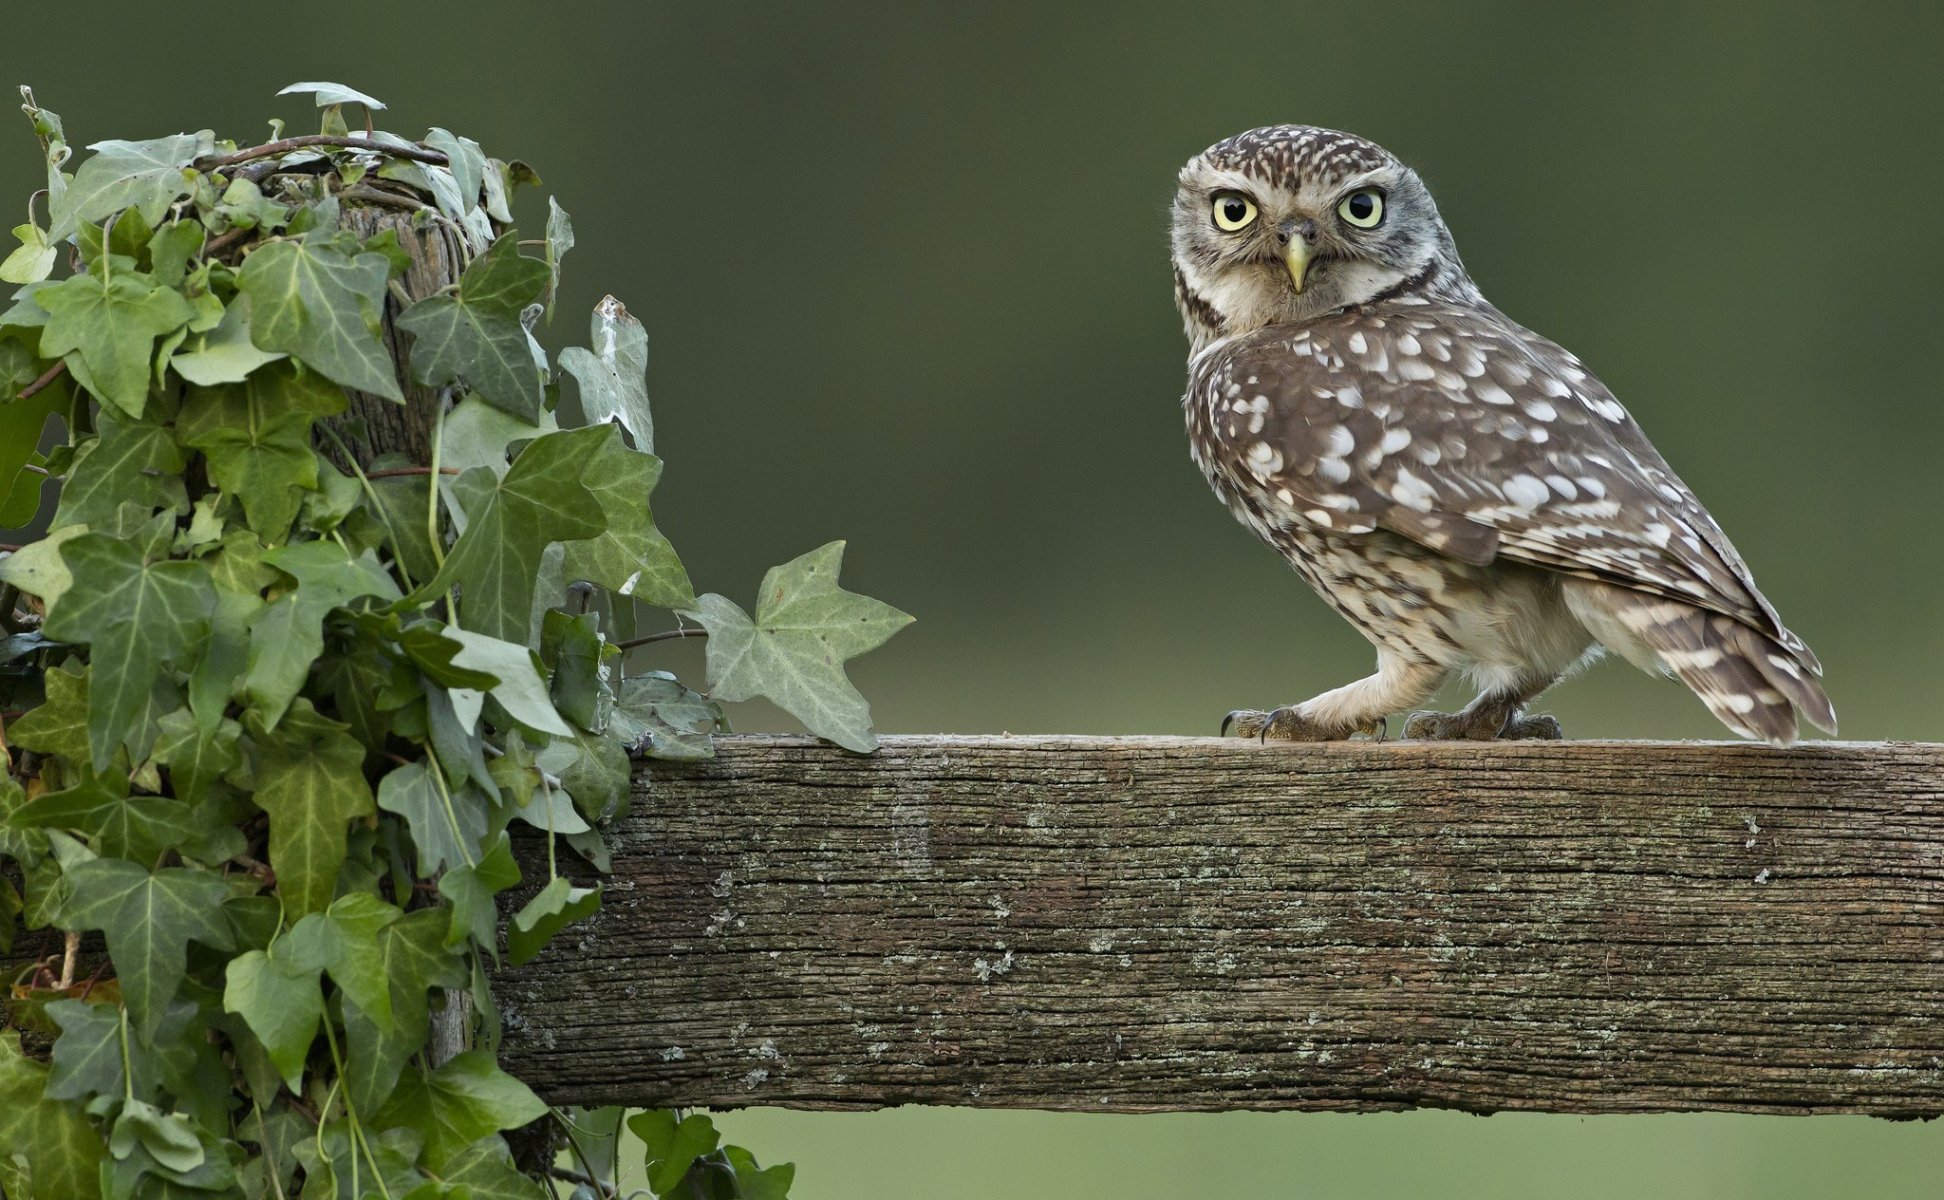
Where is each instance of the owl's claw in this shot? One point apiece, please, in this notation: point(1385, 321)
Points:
point(1288, 724)
point(1482, 725)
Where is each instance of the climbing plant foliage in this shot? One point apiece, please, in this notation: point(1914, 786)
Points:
point(274, 709)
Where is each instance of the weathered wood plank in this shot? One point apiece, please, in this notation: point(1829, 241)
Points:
point(1159, 923)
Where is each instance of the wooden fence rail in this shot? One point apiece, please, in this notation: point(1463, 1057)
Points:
point(1138, 924)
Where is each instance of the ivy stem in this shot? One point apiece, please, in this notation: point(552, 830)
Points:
point(269, 1153)
point(128, 1069)
point(432, 495)
point(664, 636)
point(285, 145)
point(398, 556)
point(360, 1142)
point(452, 815)
point(587, 1164)
point(43, 380)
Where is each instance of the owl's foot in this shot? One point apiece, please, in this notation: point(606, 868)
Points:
point(1287, 724)
point(1481, 725)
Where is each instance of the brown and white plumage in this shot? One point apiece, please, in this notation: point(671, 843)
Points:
point(1461, 489)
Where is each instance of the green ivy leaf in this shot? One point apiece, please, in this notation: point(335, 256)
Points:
point(414, 958)
point(322, 306)
point(520, 690)
point(112, 323)
point(21, 421)
point(128, 462)
point(87, 1057)
point(280, 1001)
point(756, 1183)
point(474, 333)
point(256, 436)
point(147, 176)
point(486, 1169)
point(630, 557)
point(119, 825)
point(476, 434)
point(328, 94)
point(60, 724)
point(288, 636)
point(443, 838)
point(344, 941)
point(137, 618)
point(61, 1148)
point(552, 909)
point(613, 376)
point(33, 260)
point(310, 779)
point(225, 354)
point(560, 239)
point(149, 921)
point(170, 1138)
point(510, 522)
point(471, 890)
point(463, 1101)
point(196, 757)
point(794, 650)
point(672, 1146)
point(655, 714)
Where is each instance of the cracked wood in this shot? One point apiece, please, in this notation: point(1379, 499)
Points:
point(1136, 924)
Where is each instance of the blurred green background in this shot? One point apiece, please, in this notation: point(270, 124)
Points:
point(905, 272)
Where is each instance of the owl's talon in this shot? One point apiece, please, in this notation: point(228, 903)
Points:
point(1288, 724)
point(1482, 725)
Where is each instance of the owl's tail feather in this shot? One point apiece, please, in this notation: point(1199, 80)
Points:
point(1751, 682)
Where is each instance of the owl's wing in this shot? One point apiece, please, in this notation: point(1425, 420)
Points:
point(1462, 431)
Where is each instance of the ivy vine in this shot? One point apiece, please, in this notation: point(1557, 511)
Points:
point(271, 702)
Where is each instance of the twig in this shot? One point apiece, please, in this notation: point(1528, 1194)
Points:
point(269, 149)
point(667, 635)
point(46, 377)
point(391, 472)
point(68, 953)
point(224, 241)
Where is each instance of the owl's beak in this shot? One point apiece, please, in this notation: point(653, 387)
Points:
point(1296, 256)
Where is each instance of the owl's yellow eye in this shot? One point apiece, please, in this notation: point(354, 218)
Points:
point(1364, 209)
point(1233, 211)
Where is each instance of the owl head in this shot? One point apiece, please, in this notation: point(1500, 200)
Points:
point(1288, 222)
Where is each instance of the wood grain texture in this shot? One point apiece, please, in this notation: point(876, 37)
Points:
point(1138, 924)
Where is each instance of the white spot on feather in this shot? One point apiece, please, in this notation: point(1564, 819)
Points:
point(1526, 491)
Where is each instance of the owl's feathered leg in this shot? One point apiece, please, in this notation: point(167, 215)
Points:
point(1354, 708)
point(1496, 714)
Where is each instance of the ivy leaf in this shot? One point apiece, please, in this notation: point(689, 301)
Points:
point(510, 522)
point(33, 260)
point(196, 757)
point(464, 158)
point(226, 354)
point(471, 890)
point(112, 322)
point(328, 94)
point(552, 909)
point(127, 462)
point(573, 644)
point(474, 334)
point(613, 376)
point(310, 779)
point(560, 239)
point(62, 1150)
point(322, 306)
point(443, 838)
point(120, 825)
point(476, 434)
point(170, 1139)
point(413, 957)
point(137, 618)
point(756, 1183)
point(520, 689)
point(87, 1057)
point(794, 650)
point(288, 636)
point(463, 1101)
point(672, 1146)
point(148, 176)
point(256, 436)
point(60, 724)
point(486, 1168)
point(655, 714)
point(344, 940)
point(630, 557)
point(21, 421)
point(280, 1001)
point(149, 921)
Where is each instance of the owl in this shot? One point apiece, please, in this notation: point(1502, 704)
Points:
point(1463, 491)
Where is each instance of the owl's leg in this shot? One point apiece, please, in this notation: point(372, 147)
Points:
point(1495, 714)
point(1358, 707)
